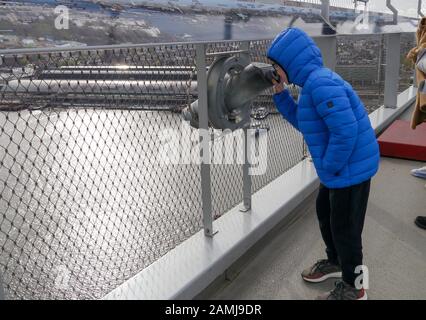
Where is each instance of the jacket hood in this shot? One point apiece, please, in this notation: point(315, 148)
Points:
point(296, 53)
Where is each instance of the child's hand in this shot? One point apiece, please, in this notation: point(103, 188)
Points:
point(281, 85)
point(278, 86)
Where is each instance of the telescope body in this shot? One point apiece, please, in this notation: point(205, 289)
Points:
point(232, 85)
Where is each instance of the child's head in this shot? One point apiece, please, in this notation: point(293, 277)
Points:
point(296, 54)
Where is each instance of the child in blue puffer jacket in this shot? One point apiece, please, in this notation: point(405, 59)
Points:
point(344, 150)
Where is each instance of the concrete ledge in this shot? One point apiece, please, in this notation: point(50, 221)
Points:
point(189, 268)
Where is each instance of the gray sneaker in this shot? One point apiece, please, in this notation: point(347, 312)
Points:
point(322, 270)
point(343, 291)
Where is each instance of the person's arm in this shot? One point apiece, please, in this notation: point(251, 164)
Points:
point(333, 105)
point(286, 106)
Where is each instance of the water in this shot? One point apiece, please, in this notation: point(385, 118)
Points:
point(84, 196)
point(92, 24)
point(85, 204)
point(134, 24)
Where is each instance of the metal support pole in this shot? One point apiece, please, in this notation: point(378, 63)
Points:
point(327, 27)
point(328, 47)
point(380, 65)
point(394, 11)
point(246, 174)
point(245, 46)
point(325, 9)
point(393, 63)
point(419, 9)
point(204, 136)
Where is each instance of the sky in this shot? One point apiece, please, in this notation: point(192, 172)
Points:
point(405, 7)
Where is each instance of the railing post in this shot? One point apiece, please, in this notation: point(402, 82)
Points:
point(325, 9)
point(246, 173)
point(204, 138)
point(380, 65)
point(394, 11)
point(393, 64)
point(327, 45)
point(245, 46)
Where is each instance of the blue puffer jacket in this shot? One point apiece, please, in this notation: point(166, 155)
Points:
point(329, 113)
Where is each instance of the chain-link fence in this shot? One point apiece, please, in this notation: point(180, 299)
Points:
point(406, 79)
point(360, 61)
point(86, 199)
point(85, 202)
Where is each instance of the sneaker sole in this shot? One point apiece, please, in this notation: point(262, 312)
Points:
point(364, 297)
point(418, 175)
point(419, 225)
point(323, 278)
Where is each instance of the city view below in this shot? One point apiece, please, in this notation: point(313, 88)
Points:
point(65, 23)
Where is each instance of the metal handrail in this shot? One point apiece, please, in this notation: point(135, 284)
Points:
point(394, 11)
point(159, 44)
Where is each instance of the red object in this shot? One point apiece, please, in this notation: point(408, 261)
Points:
point(400, 141)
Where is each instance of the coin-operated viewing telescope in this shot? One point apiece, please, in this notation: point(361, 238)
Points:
point(232, 84)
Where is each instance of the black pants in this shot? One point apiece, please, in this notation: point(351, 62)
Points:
point(341, 214)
